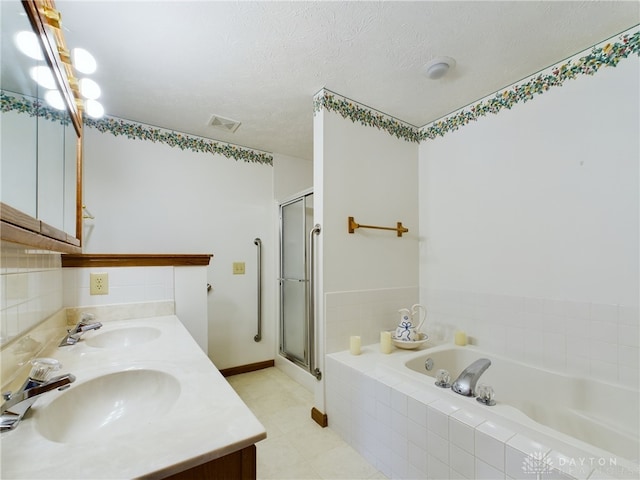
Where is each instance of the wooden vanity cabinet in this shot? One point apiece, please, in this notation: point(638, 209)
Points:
point(240, 465)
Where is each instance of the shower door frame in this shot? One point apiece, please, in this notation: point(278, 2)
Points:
point(306, 363)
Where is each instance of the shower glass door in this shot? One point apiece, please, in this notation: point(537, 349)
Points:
point(296, 221)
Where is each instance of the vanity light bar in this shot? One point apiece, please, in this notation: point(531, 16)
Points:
point(52, 16)
point(65, 56)
point(77, 60)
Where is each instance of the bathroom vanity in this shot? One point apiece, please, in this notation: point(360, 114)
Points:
point(146, 403)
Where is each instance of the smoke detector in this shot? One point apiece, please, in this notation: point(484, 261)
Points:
point(222, 123)
point(439, 67)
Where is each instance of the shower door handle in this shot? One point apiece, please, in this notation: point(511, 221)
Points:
point(299, 280)
point(312, 302)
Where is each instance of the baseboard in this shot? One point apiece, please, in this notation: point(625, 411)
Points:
point(252, 367)
point(319, 417)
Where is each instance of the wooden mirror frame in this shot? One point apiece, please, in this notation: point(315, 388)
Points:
point(17, 226)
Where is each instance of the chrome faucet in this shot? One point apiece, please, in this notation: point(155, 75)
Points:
point(17, 404)
point(85, 324)
point(465, 384)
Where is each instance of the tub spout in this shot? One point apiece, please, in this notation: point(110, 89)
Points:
point(465, 384)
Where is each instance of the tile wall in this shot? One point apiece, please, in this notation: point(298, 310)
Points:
point(586, 339)
point(126, 285)
point(31, 288)
point(365, 313)
point(34, 286)
point(407, 431)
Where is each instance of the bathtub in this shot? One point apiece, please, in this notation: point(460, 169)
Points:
point(584, 428)
point(598, 413)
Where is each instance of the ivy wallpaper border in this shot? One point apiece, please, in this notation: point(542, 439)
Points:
point(358, 113)
point(608, 54)
point(139, 131)
point(34, 108)
point(10, 101)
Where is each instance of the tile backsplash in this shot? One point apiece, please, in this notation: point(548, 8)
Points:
point(578, 338)
point(365, 313)
point(31, 288)
point(587, 339)
point(126, 285)
point(34, 286)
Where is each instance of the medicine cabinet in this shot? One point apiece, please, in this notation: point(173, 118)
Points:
point(41, 146)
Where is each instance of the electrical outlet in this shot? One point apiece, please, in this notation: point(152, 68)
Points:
point(98, 283)
point(238, 268)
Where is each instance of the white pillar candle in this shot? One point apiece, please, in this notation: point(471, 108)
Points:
point(460, 338)
point(354, 345)
point(385, 342)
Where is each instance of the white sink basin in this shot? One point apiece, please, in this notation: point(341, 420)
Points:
point(111, 404)
point(123, 337)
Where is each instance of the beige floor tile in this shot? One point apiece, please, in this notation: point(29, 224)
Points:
point(311, 440)
point(297, 471)
point(377, 476)
point(277, 452)
point(271, 403)
point(290, 418)
point(296, 447)
point(342, 462)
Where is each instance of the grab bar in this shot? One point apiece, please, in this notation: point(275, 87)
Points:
point(258, 243)
point(312, 300)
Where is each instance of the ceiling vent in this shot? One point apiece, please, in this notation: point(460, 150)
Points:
point(221, 123)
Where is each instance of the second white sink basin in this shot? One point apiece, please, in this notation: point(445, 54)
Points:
point(123, 337)
point(108, 405)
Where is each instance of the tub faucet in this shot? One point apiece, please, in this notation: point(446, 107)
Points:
point(85, 324)
point(465, 384)
point(17, 404)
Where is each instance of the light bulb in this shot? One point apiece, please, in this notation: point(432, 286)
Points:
point(28, 43)
point(43, 77)
point(94, 109)
point(53, 98)
point(89, 89)
point(83, 61)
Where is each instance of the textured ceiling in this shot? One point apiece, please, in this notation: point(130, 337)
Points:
point(173, 64)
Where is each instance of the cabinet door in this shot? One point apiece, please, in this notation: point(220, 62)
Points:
point(18, 168)
point(40, 142)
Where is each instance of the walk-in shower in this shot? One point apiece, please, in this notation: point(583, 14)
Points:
point(297, 241)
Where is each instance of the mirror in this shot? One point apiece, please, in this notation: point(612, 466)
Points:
point(40, 152)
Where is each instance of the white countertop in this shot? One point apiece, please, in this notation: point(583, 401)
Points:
point(206, 421)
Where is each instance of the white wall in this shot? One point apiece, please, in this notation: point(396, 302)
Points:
point(290, 176)
point(151, 198)
point(365, 277)
point(529, 222)
point(367, 174)
point(191, 302)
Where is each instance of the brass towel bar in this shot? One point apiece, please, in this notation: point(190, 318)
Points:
point(398, 228)
point(86, 213)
